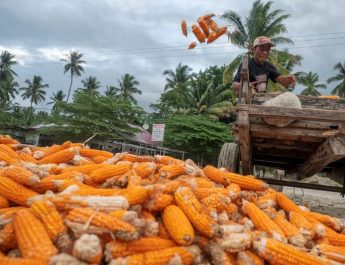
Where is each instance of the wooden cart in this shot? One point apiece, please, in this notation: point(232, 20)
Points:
point(314, 142)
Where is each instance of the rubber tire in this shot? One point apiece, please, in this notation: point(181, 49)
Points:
point(229, 157)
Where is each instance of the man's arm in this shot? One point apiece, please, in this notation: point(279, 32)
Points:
point(286, 80)
point(235, 87)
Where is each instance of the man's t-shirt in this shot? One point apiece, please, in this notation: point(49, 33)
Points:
point(259, 73)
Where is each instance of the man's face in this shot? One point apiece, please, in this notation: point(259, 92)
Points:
point(261, 53)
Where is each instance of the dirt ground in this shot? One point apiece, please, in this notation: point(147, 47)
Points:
point(331, 203)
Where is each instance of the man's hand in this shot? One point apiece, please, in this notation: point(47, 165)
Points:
point(252, 86)
point(292, 80)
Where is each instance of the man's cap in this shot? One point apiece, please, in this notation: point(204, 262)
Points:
point(263, 40)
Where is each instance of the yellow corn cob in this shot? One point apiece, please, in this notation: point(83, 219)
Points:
point(78, 160)
point(63, 156)
point(101, 174)
point(85, 169)
point(48, 183)
point(276, 252)
point(8, 150)
point(130, 158)
point(56, 148)
point(21, 175)
point(170, 187)
point(302, 223)
point(50, 217)
point(27, 158)
point(167, 160)
point(262, 221)
point(135, 195)
point(291, 232)
point(133, 179)
point(99, 159)
point(7, 158)
point(89, 152)
point(217, 201)
point(33, 240)
point(4, 202)
point(189, 204)
point(335, 238)
point(7, 237)
point(178, 225)
point(121, 229)
point(245, 182)
point(158, 202)
point(88, 248)
point(6, 139)
point(196, 182)
point(144, 169)
point(184, 255)
point(162, 231)
point(20, 261)
point(6, 214)
point(331, 222)
point(249, 258)
point(331, 252)
point(202, 193)
point(102, 203)
point(124, 215)
point(171, 171)
point(234, 191)
point(116, 249)
point(15, 192)
point(87, 190)
point(286, 204)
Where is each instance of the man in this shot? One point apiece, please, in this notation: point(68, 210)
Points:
point(260, 70)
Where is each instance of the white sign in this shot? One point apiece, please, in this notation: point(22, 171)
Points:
point(157, 132)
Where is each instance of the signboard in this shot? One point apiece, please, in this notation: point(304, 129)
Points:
point(157, 132)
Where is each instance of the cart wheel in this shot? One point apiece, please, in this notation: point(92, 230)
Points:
point(229, 157)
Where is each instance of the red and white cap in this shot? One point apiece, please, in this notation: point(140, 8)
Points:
point(263, 40)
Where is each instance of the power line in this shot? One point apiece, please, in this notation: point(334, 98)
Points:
point(181, 47)
point(185, 55)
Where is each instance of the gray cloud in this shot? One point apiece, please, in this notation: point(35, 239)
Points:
point(143, 38)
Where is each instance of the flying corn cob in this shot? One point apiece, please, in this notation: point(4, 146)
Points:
point(215, 35)
point(204, 26)
point(184, 27)
point(192, 45)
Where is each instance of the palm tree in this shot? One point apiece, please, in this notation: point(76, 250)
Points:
point(73, 65)
point(8, 90)
point(56, 98)
point(34, 91)
point(260, 22)
point(309, 80)
point(339, 77)
point(111, 91)
point(127, 87)
point(91, 85)
point(6, 63)
point(176, 84)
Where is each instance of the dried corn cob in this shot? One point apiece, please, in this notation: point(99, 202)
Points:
point(101, 174)
point(88, 248)
point(213, 25)
point(276, 252)
point(217, 201)
point(215, 35)
point(99, 159)
point(7, 158)
point(84, 169)
point(192, 45)
point(249, 258)
point(89, 152)
point(8, 150)
point(121, 229)
point(21, 261)
point(6, 214)
point(262, 221)
point(4, 202)
point(291, 232)
point(189, 204)
point(15, 192)
point(62, 156)
point(21, 175)
point(173, 255)
point(331, 222)
point(135, 195)
point(7, 237)
point(178, 225)
point(33, 240)
point(331, 252)
point(302, 223)
point(124, 215)
point(158, 202)
point(287, 204)
point(144, 169)
point(171, 171)
point(204, 26)
point(116, 249)
point(50, 217)
point(27, 158)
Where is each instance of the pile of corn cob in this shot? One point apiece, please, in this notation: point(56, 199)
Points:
point(69, 204)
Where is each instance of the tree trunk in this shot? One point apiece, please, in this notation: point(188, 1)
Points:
point(70, 86)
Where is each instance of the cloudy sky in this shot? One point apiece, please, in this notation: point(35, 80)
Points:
point(143, 38)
